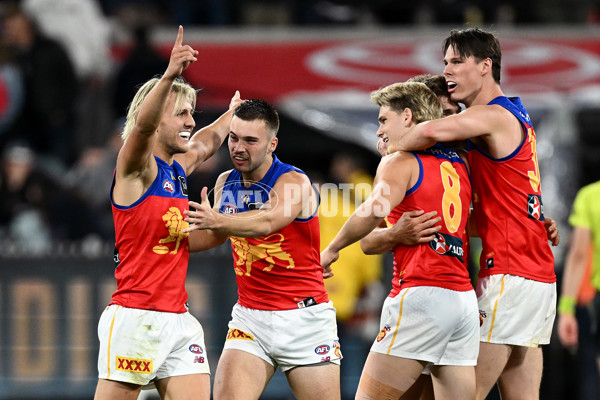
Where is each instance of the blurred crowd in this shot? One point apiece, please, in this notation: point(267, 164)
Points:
point(63, 95)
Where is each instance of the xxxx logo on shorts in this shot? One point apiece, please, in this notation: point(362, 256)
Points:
point(134, 365)
point(383, 332)
point(234, 333)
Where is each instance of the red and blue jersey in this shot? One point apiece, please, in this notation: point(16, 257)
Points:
point(507, 206)
point(443, 186)
point(151, 251)
point(282, 269)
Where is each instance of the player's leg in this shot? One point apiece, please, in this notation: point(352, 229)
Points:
point(317, 381)
point(185, 387)
point(387, 377)
point(241, 375)
point(114, 390)
point(490, 363)
point(453, 382)
point(421, 390)
point(522, 374)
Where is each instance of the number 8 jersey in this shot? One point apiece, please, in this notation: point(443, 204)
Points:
point(443, 186)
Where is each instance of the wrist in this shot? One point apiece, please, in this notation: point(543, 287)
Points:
point(566, 305)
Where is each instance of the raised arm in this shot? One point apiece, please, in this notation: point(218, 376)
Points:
point(136, 167)
point(206, 141)
point(291, 197)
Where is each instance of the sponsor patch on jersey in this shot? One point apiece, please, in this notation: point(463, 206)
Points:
point(137, 365)
point(489, 263)
point(196, 349)
point(168, 186)
point(447, 245)
point(322, 349)
point(535, 208)
point(234, 333)
point(183, 183)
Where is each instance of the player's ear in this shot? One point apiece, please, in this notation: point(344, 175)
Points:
point(273, 144)
point(486, 66)
point(407, 116)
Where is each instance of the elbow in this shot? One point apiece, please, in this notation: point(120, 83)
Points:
point(368, 249)
point(429, 133)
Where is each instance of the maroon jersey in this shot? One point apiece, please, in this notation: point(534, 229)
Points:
point(443, 186)
point(507, 207)
point(151, 251)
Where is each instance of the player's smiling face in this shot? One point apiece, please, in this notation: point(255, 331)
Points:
point(463, 76)
point(392, 126)
point(176, 128)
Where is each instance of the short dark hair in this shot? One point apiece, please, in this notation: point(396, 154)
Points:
point(437, 83)
point(477, 43)
point(253, 109)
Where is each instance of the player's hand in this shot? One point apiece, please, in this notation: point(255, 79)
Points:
point(415, 227)
point(181, 57)
point(552, 231)
point(328, 257)
point(204, 217)
point(236, 100)
point(568, 330)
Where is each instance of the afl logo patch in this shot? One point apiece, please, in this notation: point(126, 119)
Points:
point(168, 186)
point(322, 349)
point(196, 349)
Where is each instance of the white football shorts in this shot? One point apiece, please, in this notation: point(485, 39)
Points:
point(515, 310)
point(430, 324)
point(286, 338)
point(139, 346)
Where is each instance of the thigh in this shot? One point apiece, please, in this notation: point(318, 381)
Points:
point(522, 374)
point(422, 389)
point(388, 377)
point(113, 390)
point(185, 387)
point(453, 382)
point(319, 381)
point(241, 376)
point(490, 364)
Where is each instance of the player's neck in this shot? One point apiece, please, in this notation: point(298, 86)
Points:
point(485, 95)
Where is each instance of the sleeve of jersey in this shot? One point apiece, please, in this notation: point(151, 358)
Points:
point(579, 215)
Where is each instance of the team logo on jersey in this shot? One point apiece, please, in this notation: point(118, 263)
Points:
point(337, 349)
point(183, 183)
point(175, 225)
point(133, 365)
point(535, 208)
point(264, 253)
point(447, 245)
point(386, 328)
point(168, 186)
point(196, 349)
point(234, 333)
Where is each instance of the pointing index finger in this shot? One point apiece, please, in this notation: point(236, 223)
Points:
point(179, 40)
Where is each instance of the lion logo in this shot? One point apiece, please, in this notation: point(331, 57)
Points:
point(175, 225)
point(268, 251)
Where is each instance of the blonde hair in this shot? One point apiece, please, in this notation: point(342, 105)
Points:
point(182, 90)
point(423, 103)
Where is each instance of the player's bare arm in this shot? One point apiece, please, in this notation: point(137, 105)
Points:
point(136, 168)
point(206, 141)
point(204, 239)
point(389, 189)
point(291, 197)
point(414, 227)
point(493, 125)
